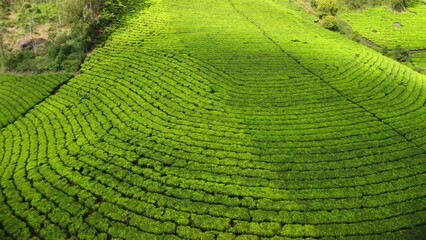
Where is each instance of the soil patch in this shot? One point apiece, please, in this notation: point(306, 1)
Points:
point(397, 25)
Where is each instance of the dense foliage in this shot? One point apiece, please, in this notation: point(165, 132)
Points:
point(52, 35)
point(221, 119)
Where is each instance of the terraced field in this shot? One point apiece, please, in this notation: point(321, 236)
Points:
point(419, 60)
point(221, 119)
point(18, 94)
point(389, 29)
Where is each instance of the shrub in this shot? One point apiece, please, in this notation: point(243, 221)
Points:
point(398, 5)
point(401, 54)
point(21, 61)
point(66, 53)
point(327, 8)
point(329, 22)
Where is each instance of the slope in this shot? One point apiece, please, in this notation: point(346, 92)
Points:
point(393, 30)
point(18, 94)
point(419, 59)
point(389, 29)
point(221, 119)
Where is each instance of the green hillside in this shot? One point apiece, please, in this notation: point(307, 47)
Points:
point(419, 60)
point(389, 29)
point(223, 119)
point(18, 94)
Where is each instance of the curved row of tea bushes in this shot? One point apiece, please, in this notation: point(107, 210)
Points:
point(18, 94)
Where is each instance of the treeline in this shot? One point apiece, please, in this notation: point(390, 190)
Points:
point(52, 35)
point(397, 5)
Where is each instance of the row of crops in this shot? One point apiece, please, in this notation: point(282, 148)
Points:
point(18, 94)
point(221, 119)
point(390, 29)
point(419, 60)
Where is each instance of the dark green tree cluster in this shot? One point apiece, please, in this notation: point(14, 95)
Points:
point(73, 27)
point(327, 13)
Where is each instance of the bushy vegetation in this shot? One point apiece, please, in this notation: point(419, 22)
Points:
point(327, 13)
point(221, 120)
point(52, 35)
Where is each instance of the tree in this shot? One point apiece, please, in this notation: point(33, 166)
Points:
point(327, 8)
point(85, 11)
point(29, 18)
point(5, 4)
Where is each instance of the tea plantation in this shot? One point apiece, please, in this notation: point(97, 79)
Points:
point(389, 29)
point(18, 94)
point(222, 119)
point(419, 59)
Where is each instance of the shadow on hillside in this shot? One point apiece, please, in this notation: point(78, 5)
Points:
point(133, 8)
